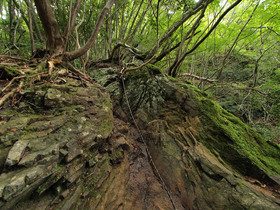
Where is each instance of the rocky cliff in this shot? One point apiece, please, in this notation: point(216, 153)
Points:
point(72, 144)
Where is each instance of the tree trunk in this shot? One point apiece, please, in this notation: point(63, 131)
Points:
point(34, 20)
point(30, 25)
point(181, 59)
point(12, 23)
point(72, 18)
point(133, 9)
point(169, 32)
point(191, 32)
point(55, 42)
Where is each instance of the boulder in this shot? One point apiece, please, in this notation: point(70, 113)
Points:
point(16, 153)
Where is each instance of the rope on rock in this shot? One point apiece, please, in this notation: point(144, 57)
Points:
point(146, 146)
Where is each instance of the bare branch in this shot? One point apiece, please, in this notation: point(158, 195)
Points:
point(72, 19)
point(78, 53)
point(198, 77)
point(209, 32)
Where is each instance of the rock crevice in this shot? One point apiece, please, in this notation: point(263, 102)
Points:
point(74, 145)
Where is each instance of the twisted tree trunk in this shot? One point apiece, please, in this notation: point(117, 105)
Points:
point(57, 42)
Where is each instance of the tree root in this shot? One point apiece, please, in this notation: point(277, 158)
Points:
point(82, 76)
point(20, 77)
point(17, 82)
point(5, 97)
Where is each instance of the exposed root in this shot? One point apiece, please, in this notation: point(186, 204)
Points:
point(81, 75)
point(13, 82)
point(5, 97)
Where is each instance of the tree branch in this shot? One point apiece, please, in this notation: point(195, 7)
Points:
point(166, 52)
point(169, 32)
point(78, 53)
point(198, 77)
point(72, 19)
point(138, 67)
point(209, 32)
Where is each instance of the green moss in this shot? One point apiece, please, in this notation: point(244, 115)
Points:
point(173, 79)
point(142, 74)
point(197, 90)
point(236, 142)
point(9, 112)
point(42, 67)
point(12, 71)
point(44, 86)
point(106, 126)
point(116, 156)
point(152, 67)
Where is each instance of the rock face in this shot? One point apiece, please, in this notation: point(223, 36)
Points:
point(74, 147)
point(208, 158)
point(50, 142)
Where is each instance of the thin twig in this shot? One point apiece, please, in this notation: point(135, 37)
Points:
point(19, 77)
point(198, 77)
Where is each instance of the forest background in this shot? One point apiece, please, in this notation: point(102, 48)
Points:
point(230, 49)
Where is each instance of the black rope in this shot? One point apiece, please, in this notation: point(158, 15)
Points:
point(146, 146)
